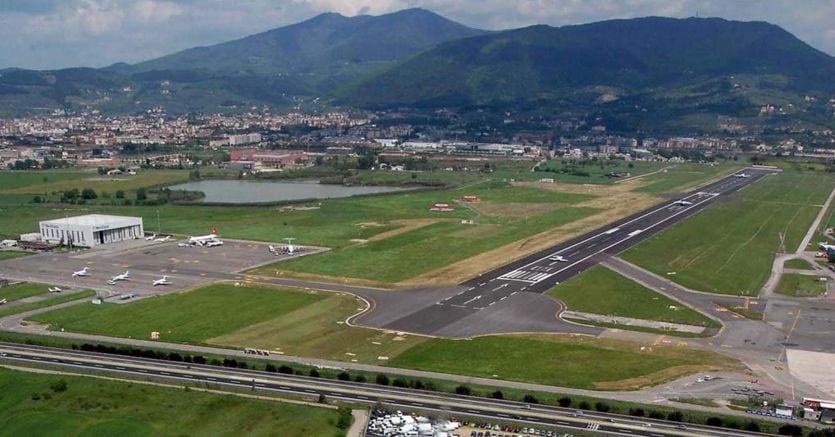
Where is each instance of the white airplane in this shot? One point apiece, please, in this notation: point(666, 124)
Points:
point(82, 272)
point(123, 277)
point(682, 202)
point(213, 243)
point(826, 247)
point(290, 249)
point(162, 281)
point(273, 250)
point(742, 175)
point(558, 258)
point(203, 239)
point(55, 289)
point(164, 239)
point(151, 238)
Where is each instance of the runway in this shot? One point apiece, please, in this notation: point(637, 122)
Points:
point(544, 270)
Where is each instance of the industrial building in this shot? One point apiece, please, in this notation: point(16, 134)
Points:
point(91, 230)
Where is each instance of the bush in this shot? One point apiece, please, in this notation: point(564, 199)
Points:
point(675, 416)
point(313, 372)
point(382, 379)
point(713, 421)
point(530, 399)
point(564, 402)
point(602, 407)
point(656, 415)
point(270, 368)
point(400, 382)
point(463, 390)
point(344, 420)
point(753, 427)
point(497, 394)
point(359, 378)
point(344, 376)
point(418, 385)
point(584, 405)
point(285, 369)
point(59, 386)
point(789, 429)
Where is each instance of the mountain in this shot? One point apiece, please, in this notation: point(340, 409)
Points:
point(304, 59)
point(636, 60)
point(319, 46)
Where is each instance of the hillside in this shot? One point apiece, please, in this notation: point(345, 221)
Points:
point(714, 63)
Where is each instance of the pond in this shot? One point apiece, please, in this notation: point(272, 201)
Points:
point(241, 191)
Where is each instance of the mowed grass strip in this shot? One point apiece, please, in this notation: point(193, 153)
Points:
point(96, 407)
point(728, 248)
point(186, 317)
point(422, 250)
point(602, 291)
point(559, 360)
point(792, 284)
point(52, 301)
point(12, 254)
point(319, 330)
point(22, 290)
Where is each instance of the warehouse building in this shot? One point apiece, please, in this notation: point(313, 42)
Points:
point(91, 230)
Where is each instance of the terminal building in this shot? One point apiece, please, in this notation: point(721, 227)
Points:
point(91, 230)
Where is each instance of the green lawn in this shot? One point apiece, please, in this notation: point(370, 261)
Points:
point(728, 248)
point(12, 254)
point(682, 177)
point(800, 285)
point(99, 183)
point(54, 300)
point(96, 407)
point(554, 360)
point(800, 264)
point(11, 180)
point(22, 290)
point(602, 291)
point(188, 317)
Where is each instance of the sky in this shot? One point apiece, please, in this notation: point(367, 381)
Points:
point(49, 34)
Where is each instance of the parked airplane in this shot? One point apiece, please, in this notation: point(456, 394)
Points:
point(273, 250)
point(213, 243)
point(82, 272)
point(289, 249)
point(122, 277)
point(164, 239)
point(682, 202)
point(55, 289)
point(558, 258)
point(162, 281)
point(742, 175)
point(203, 239)
point(826, 247)
point(151, 238)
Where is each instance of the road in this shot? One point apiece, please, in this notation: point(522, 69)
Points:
point(409, 399)
point(542, 271)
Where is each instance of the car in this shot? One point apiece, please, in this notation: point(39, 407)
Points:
point(214, 243)
point(646, 425)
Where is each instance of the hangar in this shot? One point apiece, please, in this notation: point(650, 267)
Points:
point(91, 230)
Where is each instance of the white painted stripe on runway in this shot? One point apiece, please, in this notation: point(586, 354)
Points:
point(634, 233)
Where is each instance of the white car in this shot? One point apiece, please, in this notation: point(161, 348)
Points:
point(214, 243)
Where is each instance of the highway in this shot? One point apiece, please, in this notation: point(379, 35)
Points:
point(544, 270)
point(392, 397)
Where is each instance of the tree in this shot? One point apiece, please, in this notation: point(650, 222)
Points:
point(343, 376)
point(675, 416)
point(120, 194)
point(382, 379)
point(584, 405)
point(141, 194)
point(602, 407)
point(313, 372)
point(270, 367)
point(59, 386)
point(564, 402)
point(637, 412)
point(656, 415)
point(713, 421)
point(400, 382)
point(359, 378)
point(345, 418)
point(322, 398)
point(285, 369)
point(497, 395)
point(530, 399)
point(463, 390)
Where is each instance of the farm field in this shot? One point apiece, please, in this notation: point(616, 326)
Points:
point(602, 291)
point(728, 248)
point(91, 406)
point(800, 285)
point(51, 301)
point(187, 317)
point(558, 360)
point(312, 325)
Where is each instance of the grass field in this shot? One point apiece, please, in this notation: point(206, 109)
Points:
point(682, 177)
point(11, 180)
point(91, 179)
point(557, 360)
point(188, 317)
point(597, 171)
point(800, 264)
point(602, 291)
point(12, 254)
point(107, 408)
point(312, 325)
point(800, 285)
point(728, 248)
point(54, 300)
point(22, 290)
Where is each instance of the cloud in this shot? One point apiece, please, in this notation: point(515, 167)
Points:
point(61, 33)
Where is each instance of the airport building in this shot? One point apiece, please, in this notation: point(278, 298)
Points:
point(91, 230)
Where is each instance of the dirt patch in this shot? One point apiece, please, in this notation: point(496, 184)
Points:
point(613, 209)
point(514, 209)
point(404, 226)
point(656, 378)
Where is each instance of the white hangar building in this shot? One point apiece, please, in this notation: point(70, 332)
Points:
point(91, 230)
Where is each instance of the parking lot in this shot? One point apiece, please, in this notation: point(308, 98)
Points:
point(146, 262)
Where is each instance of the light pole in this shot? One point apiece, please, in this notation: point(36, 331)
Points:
point(159, 228)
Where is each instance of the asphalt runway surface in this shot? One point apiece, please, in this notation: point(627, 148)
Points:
point(512, 295)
